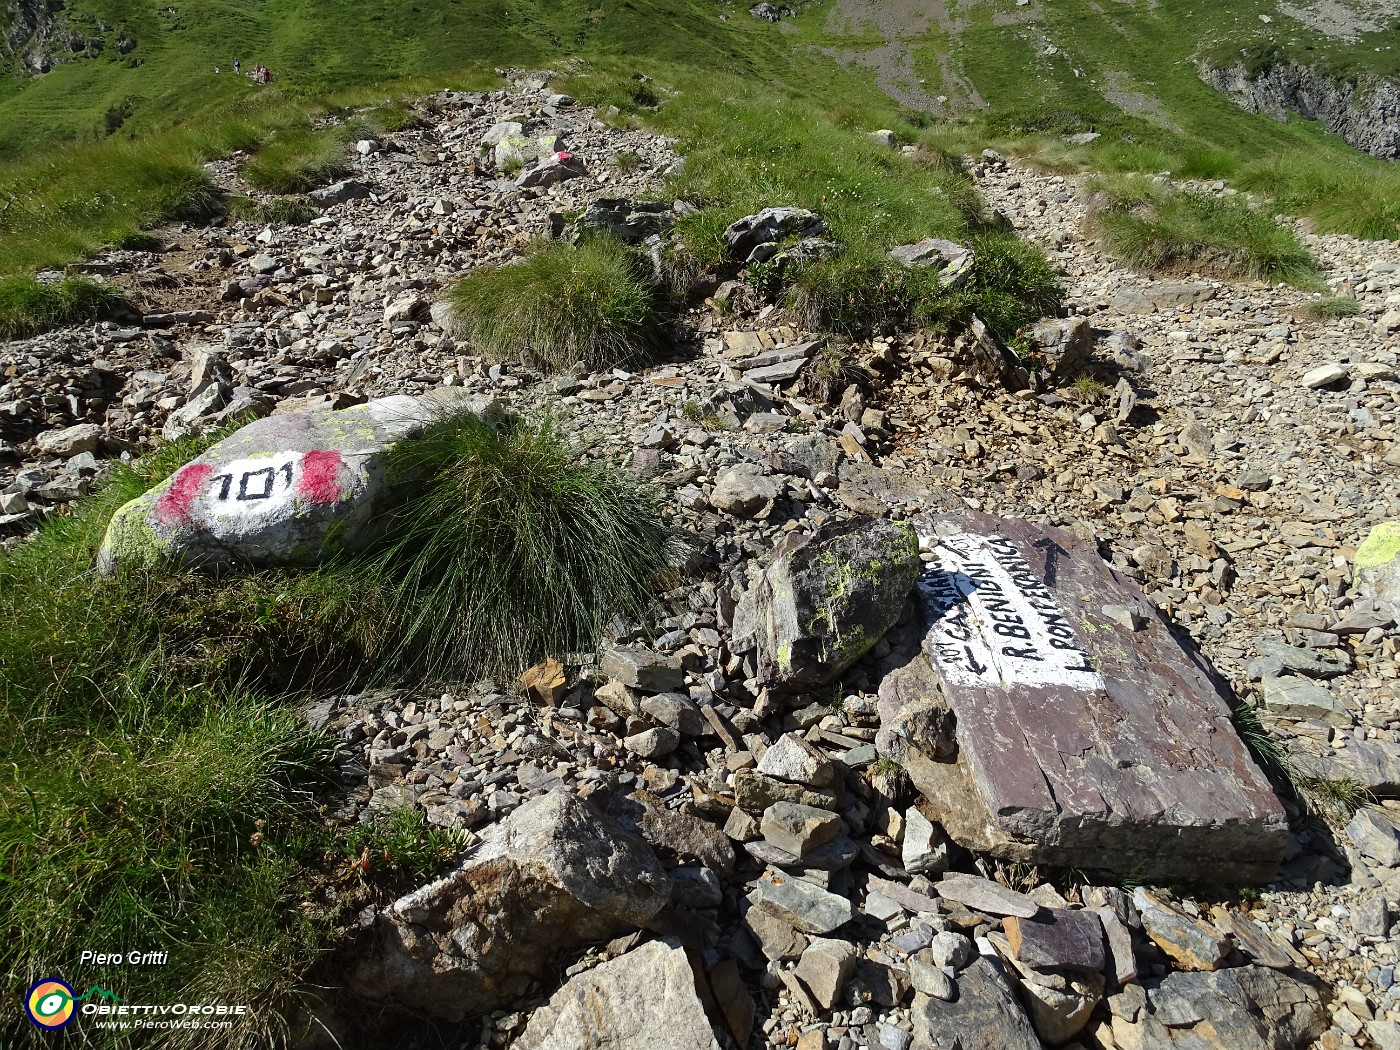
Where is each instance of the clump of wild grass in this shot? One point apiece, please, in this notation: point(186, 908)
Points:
point(170, 827)
point(1087, 390)
point(1340, 193)
point(561, 304)
point(1011, 286)
point(1333, 307)
point(295, 160)
point(279, 211)
point(28, 307)
point(1155, 227)
point(512, 547)
point(1333, 800)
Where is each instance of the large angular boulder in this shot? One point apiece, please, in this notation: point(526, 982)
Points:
point(1080, 735)
point(983, 1013)
point(629, 221)
point(1243, 1008)
point(554, 876)
point(504, 144)
point(1065, 345)
point(825, 599)
point(644, 1000)
point(954, 261)
point(286, 489)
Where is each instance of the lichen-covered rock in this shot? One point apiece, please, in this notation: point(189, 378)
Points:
point(748, 234)
point(282, 490)
point(554, 876)
point(824, 600)
point(1378, 564)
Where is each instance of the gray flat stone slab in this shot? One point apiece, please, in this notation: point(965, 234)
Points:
point(986, 896)
point(803, 905)
point(1079, 741)
point(1295, 697)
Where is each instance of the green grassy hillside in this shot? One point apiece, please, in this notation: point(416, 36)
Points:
point(960, 74)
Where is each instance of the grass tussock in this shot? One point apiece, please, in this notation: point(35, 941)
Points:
point(82, 199)
point(1333, 307)
point(296, 160)
point(515, 547)
point(279, 211)
point(1154, 227)
point(28, 307)
point(748, 148)
point(561, 304)
point(136, 809)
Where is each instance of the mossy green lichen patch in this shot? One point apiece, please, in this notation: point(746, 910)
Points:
point(1382, 546)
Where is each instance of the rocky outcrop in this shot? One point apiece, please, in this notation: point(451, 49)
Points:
point(44, 36)
point(1365, 112)
point(552, 877)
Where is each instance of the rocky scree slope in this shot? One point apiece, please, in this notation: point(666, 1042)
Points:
point(1230, 458)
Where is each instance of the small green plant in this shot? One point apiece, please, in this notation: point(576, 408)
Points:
point(886, 767)
point(512, 165)
point(28, 307)
point(1265, 747)
point(831, 372)
point(1136, 878)
point(1336, 801)
point(626, 161)
point(1249, 895)
point(643, 95)
point(140, 241)
point(561, 304)
point(1087, 390)
point(1333, 307)
point(402, 845)
point(692, 411)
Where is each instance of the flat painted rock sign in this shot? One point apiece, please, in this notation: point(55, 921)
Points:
point(1080, 740)
point(279, 491)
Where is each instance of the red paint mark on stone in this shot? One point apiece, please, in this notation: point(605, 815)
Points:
point(173, 507)
point(319, 473)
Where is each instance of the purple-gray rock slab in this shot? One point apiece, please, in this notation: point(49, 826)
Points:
point(1079, 742)
point(1058, 939)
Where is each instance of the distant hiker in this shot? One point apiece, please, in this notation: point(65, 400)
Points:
point(235, 67)
point(216, 69)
